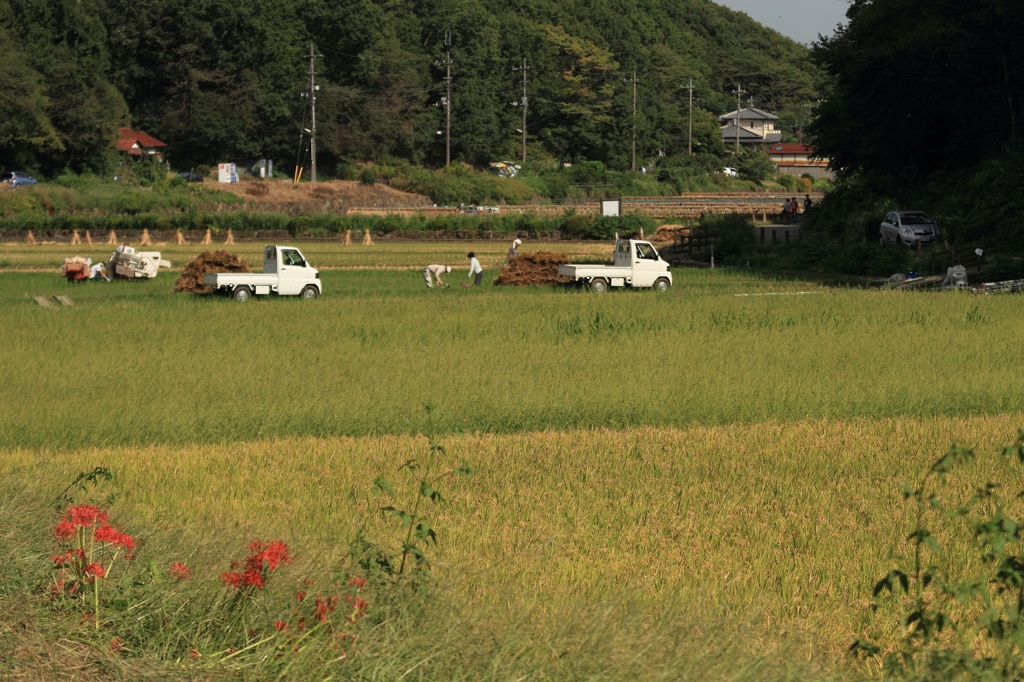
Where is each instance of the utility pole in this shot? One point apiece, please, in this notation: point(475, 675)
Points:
point(634, 81)
point(448, 97)
point(522, 102)
point(739, 92)
point(689, 133)
point(313, 87)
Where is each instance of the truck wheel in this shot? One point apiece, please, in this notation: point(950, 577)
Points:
point(309, 292)
point(661, 285)
point(599, 285)
point(242, 294)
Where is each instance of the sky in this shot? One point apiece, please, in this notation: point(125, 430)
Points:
point(801, 20)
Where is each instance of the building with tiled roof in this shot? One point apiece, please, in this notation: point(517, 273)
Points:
point(798, 159)
point(755, 127)
point(137, 143)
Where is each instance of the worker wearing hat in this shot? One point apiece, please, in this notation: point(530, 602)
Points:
point(436, 271)
point(513, 251)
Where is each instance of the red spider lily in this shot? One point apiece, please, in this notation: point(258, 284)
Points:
point(300, 595)
point(85, 515)
point(90, 546)
point(263, 559)
point(67, 557)
point(271, 554)
point(116, 645)
point(280, 625)
point(357, 582)
point(111, 535)
point(180, 571)
point(64, 530)
point(324, 607)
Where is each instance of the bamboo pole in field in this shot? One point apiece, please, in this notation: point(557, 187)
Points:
point(76, 238)
point(181, 238)
point(30, 238)
point(348, 237)
point(367, 239)
point(88, 238)
point(112, 239)
point(230, 238)
point(145, 240)
point(207, 240)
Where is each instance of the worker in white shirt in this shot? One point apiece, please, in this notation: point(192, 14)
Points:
point(475, 271)
point(434, 271)
point(98, 272)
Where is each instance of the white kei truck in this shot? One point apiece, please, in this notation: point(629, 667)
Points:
point(636, 264)
point(285, 273)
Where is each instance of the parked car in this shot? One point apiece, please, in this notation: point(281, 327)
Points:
point(731, 172)
point(909, 228)
point(191, 176)
point(17, 179)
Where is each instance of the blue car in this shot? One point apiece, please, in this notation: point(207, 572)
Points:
point(17, 179)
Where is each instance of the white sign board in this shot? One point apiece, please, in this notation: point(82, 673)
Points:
point(611, 207)
point(226, 172)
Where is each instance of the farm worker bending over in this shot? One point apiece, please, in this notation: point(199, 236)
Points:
point(98, 272)
point(512, 252)
point(436, 271)
point(475, 269)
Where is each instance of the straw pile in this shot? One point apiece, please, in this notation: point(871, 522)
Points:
point(191, 279)
point(538, 268)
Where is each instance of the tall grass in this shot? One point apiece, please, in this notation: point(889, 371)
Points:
point(668, 549)
point(134, 363)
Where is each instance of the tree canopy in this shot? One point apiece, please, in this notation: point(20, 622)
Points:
point(218, 79)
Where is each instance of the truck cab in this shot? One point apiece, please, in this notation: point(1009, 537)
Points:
point(642, 258)
point(291, 268)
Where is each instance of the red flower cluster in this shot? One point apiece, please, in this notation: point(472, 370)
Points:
point(324, 607)
point(263, 559)
point(89, 516)
point(72, 529)
point(180, 571)
point(107, 533)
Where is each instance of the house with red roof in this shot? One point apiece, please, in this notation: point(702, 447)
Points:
point(139, 144)
point(798, 159)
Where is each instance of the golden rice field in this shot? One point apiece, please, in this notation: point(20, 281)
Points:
point(721, 461)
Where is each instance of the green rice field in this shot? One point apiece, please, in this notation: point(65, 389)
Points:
point(700, 484)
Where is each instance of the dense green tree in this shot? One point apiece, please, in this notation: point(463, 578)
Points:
point(25, 126)
point(919, 87)
point(63, 41)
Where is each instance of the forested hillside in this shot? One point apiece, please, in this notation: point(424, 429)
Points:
point(219, 79)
